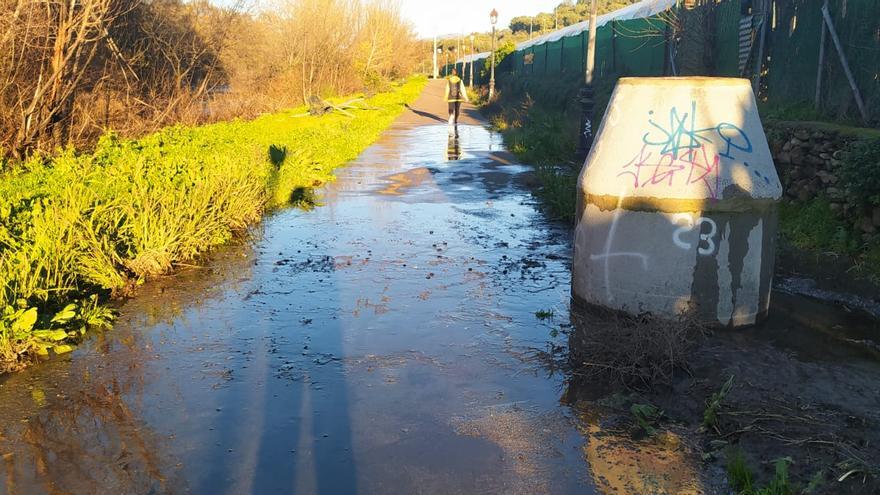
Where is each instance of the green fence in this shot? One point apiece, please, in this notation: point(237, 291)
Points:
point(641, 47)
point(793, 52)
point(634, 47)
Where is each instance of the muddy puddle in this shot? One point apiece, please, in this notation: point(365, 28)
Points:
point(384, 342)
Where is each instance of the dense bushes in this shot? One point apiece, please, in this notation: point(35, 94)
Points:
point(860, 172)
point(81, 224)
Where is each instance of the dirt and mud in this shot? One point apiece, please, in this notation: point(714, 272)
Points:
point(410, 334)
point(804, 387)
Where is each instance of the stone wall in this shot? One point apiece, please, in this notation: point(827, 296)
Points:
point(808, 162)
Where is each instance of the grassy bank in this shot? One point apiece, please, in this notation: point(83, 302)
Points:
point(546, 138)
point(540, 120)
point(813, 227)
point(78, 228)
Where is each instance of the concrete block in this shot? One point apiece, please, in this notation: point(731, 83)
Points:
point(677, 203)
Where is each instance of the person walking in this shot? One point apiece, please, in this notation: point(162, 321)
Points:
point(455, 94)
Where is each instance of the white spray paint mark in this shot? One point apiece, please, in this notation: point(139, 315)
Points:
point(690, 224)
point(608, 254)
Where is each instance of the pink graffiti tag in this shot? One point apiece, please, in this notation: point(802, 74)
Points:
point(669, 169)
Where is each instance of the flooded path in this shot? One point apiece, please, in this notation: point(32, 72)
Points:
point(385, 342)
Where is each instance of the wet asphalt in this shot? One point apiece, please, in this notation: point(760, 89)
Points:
point(384, 342)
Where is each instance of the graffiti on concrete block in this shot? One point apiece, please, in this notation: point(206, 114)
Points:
point(686, 223)
point(588, 128)
point(677, 153)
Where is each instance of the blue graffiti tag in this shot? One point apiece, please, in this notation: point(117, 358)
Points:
point(681, 135)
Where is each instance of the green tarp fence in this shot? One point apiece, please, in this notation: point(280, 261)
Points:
point(793, 52)
point(633, 47)
point(640, 47)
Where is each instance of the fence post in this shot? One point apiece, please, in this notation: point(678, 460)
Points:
point(818, 98)
point(546, 56)
point(844, 63)
point(759, 61)
point(613, 47)
point(583, 51)
point(585, 95)
point(561, 54)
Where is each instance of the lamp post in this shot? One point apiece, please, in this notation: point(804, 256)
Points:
point(458, 51)
point(461, 55)
point(452, 49)
point(434, 54)
point(472, 62)
point(493, 18)
point(585, 95)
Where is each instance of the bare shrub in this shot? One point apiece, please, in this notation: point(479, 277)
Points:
point(71, 70)
point(637, 351)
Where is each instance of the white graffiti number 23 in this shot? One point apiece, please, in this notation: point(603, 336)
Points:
point(688, 226)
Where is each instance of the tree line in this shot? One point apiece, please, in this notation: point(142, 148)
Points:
point(522, 28)
point(70, 69)
point(565, 14)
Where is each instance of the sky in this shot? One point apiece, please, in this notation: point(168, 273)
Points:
point(442, 17)
point(439, 17)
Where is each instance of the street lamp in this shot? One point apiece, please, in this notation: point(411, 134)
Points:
point(493, 18)
point(585, 95)
point(461, 51)
point(436, 52)
point(452, 49)
point(439, 51)
point(472, 62)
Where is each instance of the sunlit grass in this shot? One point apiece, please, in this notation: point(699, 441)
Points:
point(546, 139)
point(100, 223)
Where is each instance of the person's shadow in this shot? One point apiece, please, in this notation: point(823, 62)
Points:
point(424, 114)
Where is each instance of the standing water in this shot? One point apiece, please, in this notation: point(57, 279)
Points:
point(384, 342)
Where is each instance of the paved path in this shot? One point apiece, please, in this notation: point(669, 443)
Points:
point(431, 109)
point(385, 342)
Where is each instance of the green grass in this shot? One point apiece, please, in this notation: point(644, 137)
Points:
point(544, 314)
point(647, 417)
point(547, 140)
point(713, 406)
point(813, 226)
point(740, 476)
point(805, 116)
point(558, 190)
point(79, 224)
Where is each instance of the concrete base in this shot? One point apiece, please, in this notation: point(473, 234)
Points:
point(677, 203)
point(715, 265)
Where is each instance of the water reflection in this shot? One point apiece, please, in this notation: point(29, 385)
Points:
point(362, 347)
point(82, 423)
point(453, 147)
point(85, 439)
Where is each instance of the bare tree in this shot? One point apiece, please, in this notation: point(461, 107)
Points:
point(70, 69)
point(49, 46)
